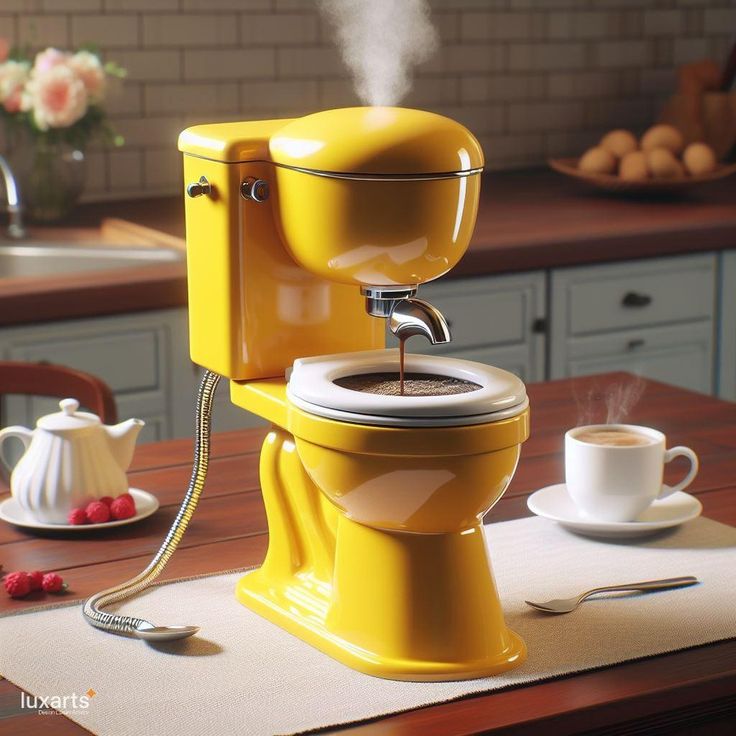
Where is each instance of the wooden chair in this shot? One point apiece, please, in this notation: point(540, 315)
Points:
point(46, 379)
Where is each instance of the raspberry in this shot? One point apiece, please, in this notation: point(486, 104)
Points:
point(18, 584)
point(77, 516)
point(107, 500)
point(97, 512)
point(128, 496)
point(53, 583)
point(35, 578)
point(123, 507)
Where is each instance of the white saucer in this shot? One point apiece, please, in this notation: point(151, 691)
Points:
point(554, 502)
point(145, 505)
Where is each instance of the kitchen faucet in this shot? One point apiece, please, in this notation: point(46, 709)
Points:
point(15, 211)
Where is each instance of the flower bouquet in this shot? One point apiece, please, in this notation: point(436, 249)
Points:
point(53, 106)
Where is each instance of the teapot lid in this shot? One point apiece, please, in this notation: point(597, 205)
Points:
point(68, 418)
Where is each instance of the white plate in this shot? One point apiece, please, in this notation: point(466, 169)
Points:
point(554, 502)
point(145, 505)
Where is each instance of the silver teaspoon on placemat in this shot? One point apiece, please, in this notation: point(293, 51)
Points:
point(565, 605)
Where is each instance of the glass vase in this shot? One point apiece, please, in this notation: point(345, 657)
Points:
point(50, 176)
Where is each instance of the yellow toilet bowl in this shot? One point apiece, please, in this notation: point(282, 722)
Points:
point(377, 552)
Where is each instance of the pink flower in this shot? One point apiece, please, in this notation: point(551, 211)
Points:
point(13, 78)
point(88, 68)
point(48, 59)
point(57, 97)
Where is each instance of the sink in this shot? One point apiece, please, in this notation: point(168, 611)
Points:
point(39, 258)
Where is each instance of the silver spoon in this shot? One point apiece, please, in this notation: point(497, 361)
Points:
point(565, 605)
point(148, 631)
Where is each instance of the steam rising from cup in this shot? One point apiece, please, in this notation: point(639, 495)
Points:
point(617, 399)
point(381, 41)
point(621, 398)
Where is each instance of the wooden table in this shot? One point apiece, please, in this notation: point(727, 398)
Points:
point(690, 692)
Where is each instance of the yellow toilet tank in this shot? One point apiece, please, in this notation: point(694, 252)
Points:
point(357, 196)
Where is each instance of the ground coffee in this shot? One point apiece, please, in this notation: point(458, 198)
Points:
point(415, 384)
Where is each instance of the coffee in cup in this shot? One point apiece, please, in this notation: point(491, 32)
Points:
point(613, 472)
point(614, 438)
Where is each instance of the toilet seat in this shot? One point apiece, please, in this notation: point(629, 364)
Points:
point(311, 387)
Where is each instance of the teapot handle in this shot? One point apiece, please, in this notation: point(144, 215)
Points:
point(22, 433)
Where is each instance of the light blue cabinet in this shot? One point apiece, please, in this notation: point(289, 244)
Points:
point(727, 327)
point(143, 357)
point(655, 317)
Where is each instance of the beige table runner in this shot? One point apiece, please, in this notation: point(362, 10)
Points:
point(243, 675)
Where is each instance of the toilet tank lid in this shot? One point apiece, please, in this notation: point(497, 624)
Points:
point(377, 141)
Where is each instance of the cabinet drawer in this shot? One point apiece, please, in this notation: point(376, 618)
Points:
point(476, 318)
point(681, 355)
point(637, 294)
point(513, 358)
point(127, 361)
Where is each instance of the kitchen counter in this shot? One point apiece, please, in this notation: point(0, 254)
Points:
point(676, 693)
point(527, 221)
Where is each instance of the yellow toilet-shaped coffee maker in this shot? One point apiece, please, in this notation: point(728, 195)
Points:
point(304, 238)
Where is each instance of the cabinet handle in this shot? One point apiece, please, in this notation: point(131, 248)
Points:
point(634, 344)
point(633, 299)
point(540, 326)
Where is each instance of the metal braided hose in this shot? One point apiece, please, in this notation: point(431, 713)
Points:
point(128, 624)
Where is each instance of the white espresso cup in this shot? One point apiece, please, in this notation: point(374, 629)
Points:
point(617, 482)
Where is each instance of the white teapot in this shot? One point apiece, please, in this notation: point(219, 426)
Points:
point(71, 458)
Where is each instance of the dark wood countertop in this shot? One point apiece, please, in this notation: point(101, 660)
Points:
point(537, 220)
point(527, 221)
point(674, 693)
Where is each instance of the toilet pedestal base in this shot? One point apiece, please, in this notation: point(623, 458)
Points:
point(402, 606)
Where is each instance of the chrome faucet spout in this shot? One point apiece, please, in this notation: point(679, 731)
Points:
point(15, 210)
point(416, 317)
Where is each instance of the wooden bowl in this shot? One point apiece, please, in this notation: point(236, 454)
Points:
point(612, 183)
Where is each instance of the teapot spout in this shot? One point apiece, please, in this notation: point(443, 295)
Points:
point(121, 438)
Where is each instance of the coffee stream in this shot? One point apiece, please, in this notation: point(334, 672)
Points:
point(402, 351)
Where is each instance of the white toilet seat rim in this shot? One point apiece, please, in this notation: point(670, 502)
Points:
point(352, 417)
point(312, 382)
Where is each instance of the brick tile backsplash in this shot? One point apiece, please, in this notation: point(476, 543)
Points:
point(64, 6)
point(185, 31)
point(495, 26)
point(260, 29)
point(663, 22)
point(621, 54)
point(43, 30)
point(216, 64)
point(720, 20)
point(125, 168)
point(150, 66)
point(531, 78)
point(106, 31)
point(542, 56)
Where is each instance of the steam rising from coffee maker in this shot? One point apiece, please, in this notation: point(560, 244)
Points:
point(381, 41)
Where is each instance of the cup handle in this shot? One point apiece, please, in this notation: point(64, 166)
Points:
point(22, 433)
point(671, 454)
